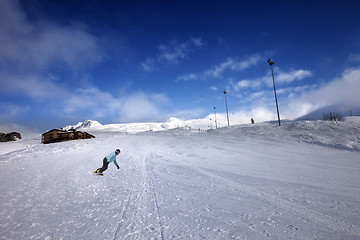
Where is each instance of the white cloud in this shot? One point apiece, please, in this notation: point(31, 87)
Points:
point(32, 85)
point(148, 65)
point(256, 83)
point(198, 42)
point(281, 77)
point(35, 46)
point(232, 65)
point(217, 71)
point(140, 106)
point(175, 51)
point(30, 49)
point(100, 102)
point(354, 58)
point(259, 114)
point(172, 53)
point(288, 77)
point(292, 92)
point(137, 107)
point(343, 91)
point(133, 107)
point(10, 111)
point(187, 77)
point(257, 95)
point(297, 101)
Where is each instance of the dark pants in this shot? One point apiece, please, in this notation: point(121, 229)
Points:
point(104, 167)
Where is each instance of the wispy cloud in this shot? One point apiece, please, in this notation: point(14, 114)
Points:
point(294, 75)
point(32, 85)
point(197, 42)
point(187, 77)
point(172, 53)
point(10, 111)
point(232, 65)
point(175, 51)
point(148, 65)
point(354, 58)
point(281, 77)
point(254, 84)
point(219, 70)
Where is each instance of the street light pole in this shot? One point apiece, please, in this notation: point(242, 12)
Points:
point(227, 112)
point(271, 62)
point(215, 118)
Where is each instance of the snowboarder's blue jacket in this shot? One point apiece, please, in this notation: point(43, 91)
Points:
point(112, 158)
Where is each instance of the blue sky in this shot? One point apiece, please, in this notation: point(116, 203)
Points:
point(138, 61)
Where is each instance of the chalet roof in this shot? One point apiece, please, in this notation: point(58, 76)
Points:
point(54, 130)
point(90, 134)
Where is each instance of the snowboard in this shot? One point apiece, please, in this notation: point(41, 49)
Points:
point(99, 174)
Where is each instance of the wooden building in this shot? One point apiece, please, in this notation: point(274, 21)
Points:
point(13, 136)
point(58, 135)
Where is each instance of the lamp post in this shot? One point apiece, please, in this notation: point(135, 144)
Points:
point(215, 118)
point(227, 112)
point(271, 62)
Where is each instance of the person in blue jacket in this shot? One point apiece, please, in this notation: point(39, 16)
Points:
point(108, 159)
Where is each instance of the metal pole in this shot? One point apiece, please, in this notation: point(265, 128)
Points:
point(271, 62)
point(227, 112)
point(215, 118)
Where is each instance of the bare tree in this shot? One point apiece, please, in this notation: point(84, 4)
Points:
point(333, 117)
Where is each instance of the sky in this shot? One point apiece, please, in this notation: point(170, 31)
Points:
point(62, 62)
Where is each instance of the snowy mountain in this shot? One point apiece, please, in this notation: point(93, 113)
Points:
point(133, 128)
point(82, 125)
point(173, 123)
point(255, 181)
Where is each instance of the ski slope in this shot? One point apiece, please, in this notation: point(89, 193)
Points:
point(297, 181)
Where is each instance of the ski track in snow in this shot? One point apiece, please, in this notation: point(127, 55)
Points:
point(201, 186)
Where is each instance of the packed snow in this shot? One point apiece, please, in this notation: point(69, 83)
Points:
point(297, 181)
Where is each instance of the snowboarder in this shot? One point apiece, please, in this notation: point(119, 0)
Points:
point(108, 159)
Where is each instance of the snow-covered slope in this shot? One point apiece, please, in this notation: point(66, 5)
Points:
point(297, 181)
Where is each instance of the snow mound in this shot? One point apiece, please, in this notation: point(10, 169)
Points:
point(337, 135)
point(81, 125)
